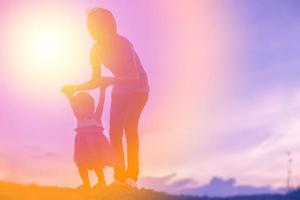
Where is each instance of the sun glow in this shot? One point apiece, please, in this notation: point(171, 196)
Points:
point(49, 48)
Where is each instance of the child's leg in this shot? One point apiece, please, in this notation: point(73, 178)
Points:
point(100, 176)
point(83, 172)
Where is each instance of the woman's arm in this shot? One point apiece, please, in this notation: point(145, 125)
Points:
point(91, 84)
point(96, 81)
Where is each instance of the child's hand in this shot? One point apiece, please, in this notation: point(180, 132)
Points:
point(68, 91)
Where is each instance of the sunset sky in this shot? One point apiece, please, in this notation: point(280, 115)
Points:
point(224, 78)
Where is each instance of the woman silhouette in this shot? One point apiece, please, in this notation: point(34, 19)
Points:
point(130, 88)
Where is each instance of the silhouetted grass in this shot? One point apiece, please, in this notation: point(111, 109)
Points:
point(11, 191)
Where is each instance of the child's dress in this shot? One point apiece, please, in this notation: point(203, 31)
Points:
point(92, 149)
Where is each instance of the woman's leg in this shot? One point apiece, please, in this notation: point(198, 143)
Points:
point(117, 111)
point(135, 107)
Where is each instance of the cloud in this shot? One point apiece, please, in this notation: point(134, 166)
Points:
point(228, 187)
point(166, 183)
point(47, 155)
point(183, 183)
point(33, 165)
point(217, 187)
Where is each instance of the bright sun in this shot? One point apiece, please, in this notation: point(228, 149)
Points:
point(47, 46)
point(52, 49)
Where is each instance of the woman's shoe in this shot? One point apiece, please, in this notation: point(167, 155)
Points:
point(130, 182)
point(117, 183)
point(100, 186)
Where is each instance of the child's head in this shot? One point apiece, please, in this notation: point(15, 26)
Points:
point(101, 24)
point(83, 104)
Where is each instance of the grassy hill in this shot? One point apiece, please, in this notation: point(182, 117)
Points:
point(10, 191)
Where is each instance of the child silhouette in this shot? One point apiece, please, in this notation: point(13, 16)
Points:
point(92, 149)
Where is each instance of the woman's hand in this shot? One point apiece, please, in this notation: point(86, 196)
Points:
point(68, 90)
point(102, 82)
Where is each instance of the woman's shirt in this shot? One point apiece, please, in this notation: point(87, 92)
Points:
point(124, 63)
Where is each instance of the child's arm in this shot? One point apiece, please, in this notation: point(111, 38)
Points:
point(99, 109)
point(70, 96)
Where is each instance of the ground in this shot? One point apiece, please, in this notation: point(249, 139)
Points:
point(11, 191)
